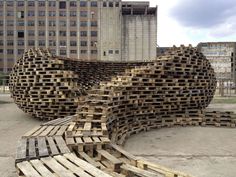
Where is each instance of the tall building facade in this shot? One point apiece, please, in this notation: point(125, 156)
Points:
point(84, 29)
point(222, 56)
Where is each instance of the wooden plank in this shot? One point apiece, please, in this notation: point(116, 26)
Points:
point(86, 166)
point(140, 172)
point(122, 151)
point(75, 169)
point(42, 147)
point(46, 132)
point(54, 131)
point(39, 131)
point(31, 148)
point(57, 167)
point(87, 126)
point(96, 139)
point(87, 140)
point(62, 130)
point(27, 169)
point(61, 144)
point(52, 146)
point(21, 149)
point(41, 168)
point(32, 131)
point(89, 159)
point(109, 157)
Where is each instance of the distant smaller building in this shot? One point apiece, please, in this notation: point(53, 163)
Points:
point(222, 57)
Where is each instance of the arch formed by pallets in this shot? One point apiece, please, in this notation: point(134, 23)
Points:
point(171, 91)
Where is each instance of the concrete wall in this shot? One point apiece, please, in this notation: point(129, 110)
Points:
point(110, 32)
point(139, 37)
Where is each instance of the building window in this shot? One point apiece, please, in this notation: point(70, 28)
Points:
point(73, 43)
point(116, 51)
point(83, 33)
point(1, 50)
point(30, 13)
point(52, 3)
point(53, 51)
point(62, 52)
point(31, 43)
point(93, 43)
point(94, 52)
point(73, 13)
point(110, 51)
point(1, 33)
point(41, 23)
point(31, 3)
point(9, 33)
point(41, 13)
point(10, 43)
point(21, 34)
point(94, 33)
point(10, 13)
point(110, 4)
point(83, 13)
point(72, 23)
point(62, 43)
point(41, 33)
point(73, 3)
point(83, 23)
point(20, 51)
point(1, 13)
point(1, 23)
point(83, 51)
point(1, 4)
point(21, 23)
point(10, 3)
point(83, 3)
point(10, 23)
point(30, 23)
point(41, 3)
point(41, 43)
point(51, 13)
point(117, 4)
point(62, 4)
point(52, 23)
point(73, 33)
point(73, 51)
point(21, 14)
point(62, 33)
point(83, 43)
point(94, 4)
point(52, 33)
point(52, 43)
point(104, 4)
point(10, 51)
point(94, 23)
point(20, 3)
point(62, 23)
point(62, 13)
point(20, 43)
point(30, 33)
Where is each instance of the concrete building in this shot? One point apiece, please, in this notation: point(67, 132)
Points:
point(84, 29)
point(222, 56)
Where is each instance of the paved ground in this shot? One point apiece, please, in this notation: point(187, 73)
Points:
point(203, 152)
point(199, 151)
point(13, 124)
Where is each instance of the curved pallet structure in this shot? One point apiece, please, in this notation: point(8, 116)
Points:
point(47, 87)
point(171, 91)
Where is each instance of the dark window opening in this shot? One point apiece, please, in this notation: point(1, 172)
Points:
point(21, 34)
point(62, 5)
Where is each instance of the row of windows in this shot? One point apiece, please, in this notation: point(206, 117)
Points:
point(51, 43)
point(61, 52)
point(50, 23)
point(21, 34)
point(62, 4)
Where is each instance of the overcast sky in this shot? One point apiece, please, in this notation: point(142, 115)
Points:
point(194, 21)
